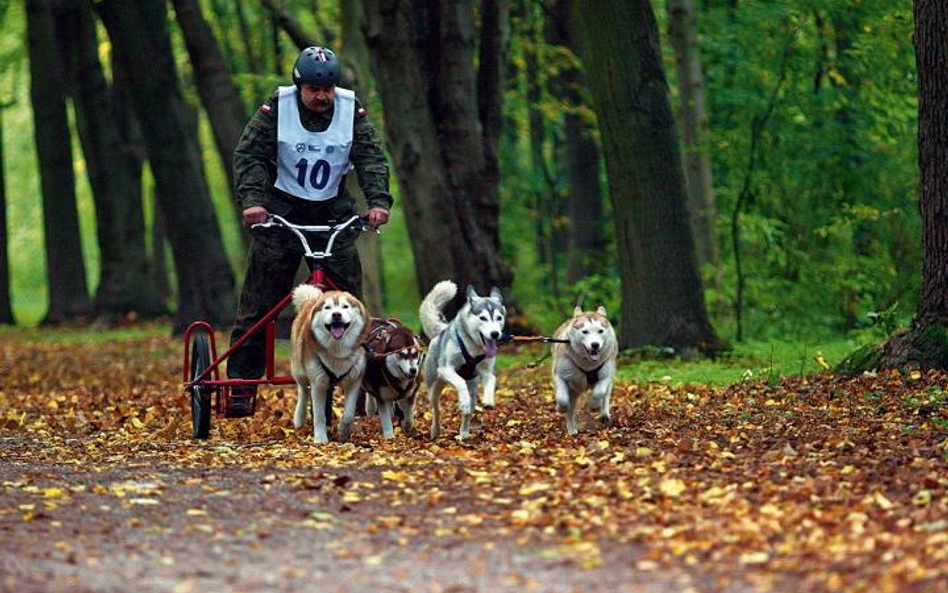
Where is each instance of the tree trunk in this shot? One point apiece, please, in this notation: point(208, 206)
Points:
point(437, 140)
point(124, 285)
point(218, 93)
point(140, 40)
point(6, 309)
point(355, 56)
point(663, 303)
point(683, 33)
point(68, 292)
point(247, 37)
point(285, 21)
point(213, 81)
point(586, 243)
point(925, 344)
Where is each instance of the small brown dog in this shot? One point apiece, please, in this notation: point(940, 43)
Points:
point(394, 356)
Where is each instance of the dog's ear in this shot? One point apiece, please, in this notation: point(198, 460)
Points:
point(577, 311)
point(471, 294)
point(601, 310)
point(496, 294)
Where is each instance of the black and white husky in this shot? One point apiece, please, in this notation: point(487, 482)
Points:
point(462, 350)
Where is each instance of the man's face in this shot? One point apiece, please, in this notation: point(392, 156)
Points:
point(318, 99)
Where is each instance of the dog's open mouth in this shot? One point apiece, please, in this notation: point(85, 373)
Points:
point(490, 347)
point(337, 329)
point(593, 354)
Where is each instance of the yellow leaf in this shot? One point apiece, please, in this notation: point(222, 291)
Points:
point(394, 476)
point(915, 375)
point(137, 423)
point(882, 501)
point(672, 487)
point(53, 493)
point(922, 497)
point(754, 557)
point(197, 512)
point(534, 488)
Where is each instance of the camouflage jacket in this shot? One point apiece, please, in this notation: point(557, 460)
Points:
point(256, 153)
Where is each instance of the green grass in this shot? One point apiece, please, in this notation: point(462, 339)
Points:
point(748, 361)
point(84, 334)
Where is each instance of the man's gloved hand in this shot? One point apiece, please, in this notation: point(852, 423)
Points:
point(376, 217)
point(255, 215)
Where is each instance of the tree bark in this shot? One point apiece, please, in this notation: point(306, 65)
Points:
point(140, 40)
point(6, 308)
point(124, 285)
point(436, 138)
point(214, 83)
point(663, 303)
point(586, 242)
point(683, 33)
point(68, 292)
point(219, 95)
point(247, 37)
point(289, 25)
point(355, 56)
point(925, 344)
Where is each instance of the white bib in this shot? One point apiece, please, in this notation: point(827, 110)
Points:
point(310, 165)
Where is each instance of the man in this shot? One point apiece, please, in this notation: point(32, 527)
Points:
point(292, 160)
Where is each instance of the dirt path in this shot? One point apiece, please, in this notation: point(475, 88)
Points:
point(167, 529)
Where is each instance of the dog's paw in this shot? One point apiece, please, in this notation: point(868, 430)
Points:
point(321, 439)
point(605, 421)
point(345, 428)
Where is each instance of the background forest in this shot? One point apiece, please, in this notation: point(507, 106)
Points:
point(799, 150)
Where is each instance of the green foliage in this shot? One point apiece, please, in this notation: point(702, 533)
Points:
point(830, 236)
point(831, 232)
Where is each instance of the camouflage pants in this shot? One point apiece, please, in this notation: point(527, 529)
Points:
point(272, 262)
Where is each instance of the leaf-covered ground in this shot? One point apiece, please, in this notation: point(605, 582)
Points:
point(812, 484)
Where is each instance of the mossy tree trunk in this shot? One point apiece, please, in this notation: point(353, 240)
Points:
point(925, 344)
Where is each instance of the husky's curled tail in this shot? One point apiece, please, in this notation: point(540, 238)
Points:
point(432, 319)
point(303, 293)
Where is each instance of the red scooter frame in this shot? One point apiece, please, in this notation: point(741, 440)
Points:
point(201, 370)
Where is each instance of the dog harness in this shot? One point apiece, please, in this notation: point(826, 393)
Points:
point(372, 384)
point(469, 370)
point(373, 373)
point(592, 377)
point(333, 379)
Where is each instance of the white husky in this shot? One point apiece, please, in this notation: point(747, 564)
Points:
point(588, 361)
point(462, 350)
point(326, 337)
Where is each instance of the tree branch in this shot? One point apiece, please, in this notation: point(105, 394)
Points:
point(290, 25)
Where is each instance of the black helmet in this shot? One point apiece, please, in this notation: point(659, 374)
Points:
point(317, 66)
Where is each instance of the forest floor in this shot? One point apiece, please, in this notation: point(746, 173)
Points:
point(806, 484)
